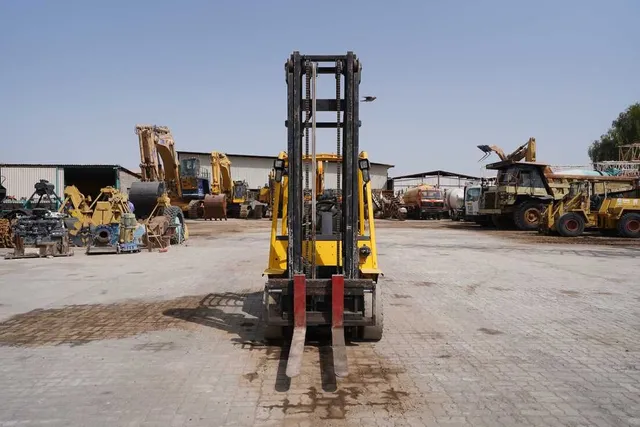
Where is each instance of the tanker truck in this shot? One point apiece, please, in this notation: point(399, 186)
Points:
point(454, 203)
point(424, 202)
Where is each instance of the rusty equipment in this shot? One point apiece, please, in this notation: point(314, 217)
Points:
point(388, 205)
point(526, 151)
point(165, 188)
point(6, 235)
point(424, 202)
point(41, 227)
point(322, 269)
point(523, 189)
point(77, 207)
point(215, 207)
point(589, 205)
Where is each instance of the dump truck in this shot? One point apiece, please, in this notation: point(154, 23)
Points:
point(524, 189)
point(322, 268)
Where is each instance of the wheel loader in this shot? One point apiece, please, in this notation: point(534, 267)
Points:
point(587, 206)
point(322, 268)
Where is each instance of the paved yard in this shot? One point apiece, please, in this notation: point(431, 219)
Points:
point(480, 330)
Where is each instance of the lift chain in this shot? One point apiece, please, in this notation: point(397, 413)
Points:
point(307, 212)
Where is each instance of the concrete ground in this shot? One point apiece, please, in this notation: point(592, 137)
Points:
point(480, 329)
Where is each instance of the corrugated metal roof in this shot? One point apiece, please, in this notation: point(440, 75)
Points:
point(436, 173)
point(68, 166)
point(257, 156)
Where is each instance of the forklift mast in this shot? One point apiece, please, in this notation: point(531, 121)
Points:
point(347, 125)
point(328, 270)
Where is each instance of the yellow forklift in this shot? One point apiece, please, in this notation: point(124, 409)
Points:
point(322, 268)
point(590, 204)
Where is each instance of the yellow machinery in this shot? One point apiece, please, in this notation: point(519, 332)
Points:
point(106, 225)
point(228, 198)
point(266, 193)
point(590, 205)
point(161, 191)
point(526, 151)
point(322, 267)
point(76, 205)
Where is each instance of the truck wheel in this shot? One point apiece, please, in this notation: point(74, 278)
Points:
point(629, 225)
point(374, 333)
point(527, 215)
point(570, 225)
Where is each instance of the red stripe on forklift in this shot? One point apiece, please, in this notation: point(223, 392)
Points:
point(299, 300)
point(337, 301)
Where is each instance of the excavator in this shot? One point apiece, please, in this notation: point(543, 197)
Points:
point(322, 268)
point(228, 198)
point(166, 187)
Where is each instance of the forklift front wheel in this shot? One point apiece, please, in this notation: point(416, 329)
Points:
point(374, 332)
point(271, 332)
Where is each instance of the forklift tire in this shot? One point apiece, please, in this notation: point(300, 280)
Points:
point(528, 214)
point(374, 333)
point(629, 225)
point(271, 332)
point(570, 225)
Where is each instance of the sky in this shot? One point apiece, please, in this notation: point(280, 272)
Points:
point(77, 76)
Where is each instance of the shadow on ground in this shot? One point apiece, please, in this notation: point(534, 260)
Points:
point(240, 315)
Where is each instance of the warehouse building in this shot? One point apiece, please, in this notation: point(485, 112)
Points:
point(436, 178)
point(19, 179)
point(255, 169)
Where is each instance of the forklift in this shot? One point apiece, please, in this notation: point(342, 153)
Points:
point(322, 270)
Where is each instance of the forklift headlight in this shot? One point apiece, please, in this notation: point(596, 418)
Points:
point(278, 166)
point(363, 164)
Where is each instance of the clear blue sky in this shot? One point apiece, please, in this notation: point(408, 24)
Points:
point(77, 75)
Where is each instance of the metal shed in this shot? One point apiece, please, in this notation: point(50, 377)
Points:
point(440, 178)
point(255, 169)
point(20, 178)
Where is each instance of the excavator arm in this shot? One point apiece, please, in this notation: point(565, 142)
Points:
point(526, 151)
point(158, 157)
point(221, 181)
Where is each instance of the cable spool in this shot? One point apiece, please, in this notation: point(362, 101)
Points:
point(144, 196)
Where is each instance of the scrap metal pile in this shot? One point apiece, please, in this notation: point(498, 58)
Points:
point(42, 229)
point(388, 206)
point(39, 227)
point(104, 225)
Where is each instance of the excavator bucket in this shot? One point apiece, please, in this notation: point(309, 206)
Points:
point(215, 207)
